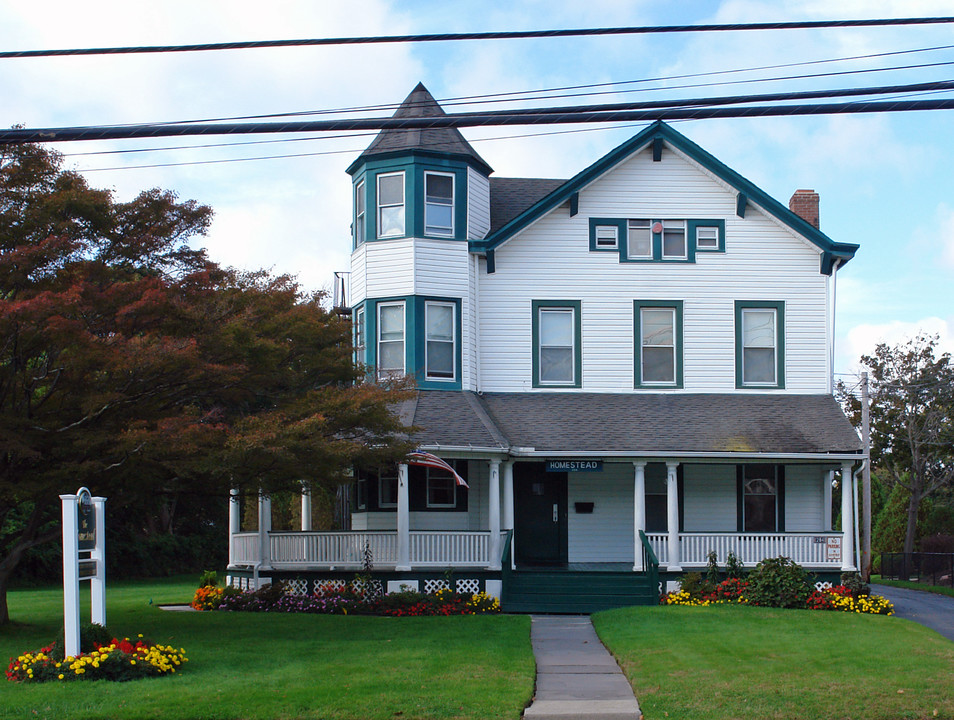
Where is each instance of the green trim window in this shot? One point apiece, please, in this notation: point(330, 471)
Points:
point(557, 357)
point(673, 239)
point(391, 204)
point(360, 216)
point(707, 235)
point(639, 240)
point(759, 344)
point(391, 339)
point(388, 488)
point(439, 204)
point(357, 336)
point(658, 333)
point(441, 489)
point(606, 234)
point(440, 328)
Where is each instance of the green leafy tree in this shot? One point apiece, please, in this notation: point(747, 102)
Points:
point(133, 365)
point(912, 420)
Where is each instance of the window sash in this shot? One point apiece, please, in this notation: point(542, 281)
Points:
point(391, 205)
point(438, 204)
point(674, 239)
point(440, 340)
point(639, 244)
point(759, 335)
point(606, 237)
point(441, 489)
point(387, 491)
point(359, 213)
point(357, 342)
point(557, 345)
point(707, 238)
point(657, 345)
point(391, 336)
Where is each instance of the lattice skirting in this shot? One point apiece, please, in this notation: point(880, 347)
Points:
point(307, 583)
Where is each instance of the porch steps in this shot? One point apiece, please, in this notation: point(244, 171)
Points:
point(562, 591)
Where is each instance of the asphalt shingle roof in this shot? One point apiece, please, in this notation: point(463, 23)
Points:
point(420, 104)
point(511, 196)
point(637, 422)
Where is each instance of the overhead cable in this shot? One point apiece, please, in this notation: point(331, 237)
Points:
point(581, 115)
point(509, 35)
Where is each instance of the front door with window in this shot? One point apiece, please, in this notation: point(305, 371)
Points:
point(540, 515)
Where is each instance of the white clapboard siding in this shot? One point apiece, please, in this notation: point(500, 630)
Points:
point(710, 498)
point(606, 534)
point(478, 205)
point(389, 268)
point(357, 282)
point(441, 268)
point(804, 498)
point(551, 260)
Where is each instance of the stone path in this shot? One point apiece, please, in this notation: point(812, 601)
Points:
point(577, 678)
point(928, 609)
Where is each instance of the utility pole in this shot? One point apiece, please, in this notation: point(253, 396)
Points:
point(866, 481)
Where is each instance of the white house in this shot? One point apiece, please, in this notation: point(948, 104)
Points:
point(629, 366)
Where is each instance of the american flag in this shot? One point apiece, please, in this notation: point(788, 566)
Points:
point(426, 459)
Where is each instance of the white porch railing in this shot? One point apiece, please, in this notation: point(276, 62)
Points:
point(812, 549)
point(456, 548)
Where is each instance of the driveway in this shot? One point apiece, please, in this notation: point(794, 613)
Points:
point(928, 609)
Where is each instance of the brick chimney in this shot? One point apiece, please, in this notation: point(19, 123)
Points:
point(804, 203)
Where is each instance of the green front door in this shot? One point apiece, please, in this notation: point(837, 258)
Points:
point(540, 515)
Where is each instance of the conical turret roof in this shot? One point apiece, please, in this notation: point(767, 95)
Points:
point(443, 140)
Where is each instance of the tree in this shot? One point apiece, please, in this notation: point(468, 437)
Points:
point(912, 420)
point(131, 363)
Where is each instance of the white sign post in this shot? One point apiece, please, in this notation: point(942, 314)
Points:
point(84, 558)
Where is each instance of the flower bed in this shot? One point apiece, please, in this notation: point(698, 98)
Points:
point(118, 660)
point(778, 582)
point(357, 599)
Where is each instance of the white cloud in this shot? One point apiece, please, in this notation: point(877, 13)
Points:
point(862, 339)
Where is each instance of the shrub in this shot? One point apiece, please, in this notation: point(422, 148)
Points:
point(853, 583)
point(779, 582)
point(733, 566)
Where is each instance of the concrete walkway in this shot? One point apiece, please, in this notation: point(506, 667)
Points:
point(928, 609)
point(577, 678)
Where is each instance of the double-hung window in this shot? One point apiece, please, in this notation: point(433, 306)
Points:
point(438, 204)
point(673, 239)
point(759, 344)
point(359, 213)
point(357, 340)
point(391, 205)
point(556, 343)
point(387, 489)
point(440, 342)
point(658, 326)
point(391, 338)
point(639, 241)
point(441, 489)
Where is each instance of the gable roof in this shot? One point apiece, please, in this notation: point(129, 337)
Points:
point(439, 140)
point(661, 132)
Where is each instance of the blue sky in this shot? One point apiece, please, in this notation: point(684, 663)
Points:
point(885, 181)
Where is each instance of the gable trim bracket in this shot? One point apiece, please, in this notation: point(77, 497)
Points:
point(659, 132)
point(741, 201)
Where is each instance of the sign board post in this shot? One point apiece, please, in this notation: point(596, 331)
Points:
point(84, 558)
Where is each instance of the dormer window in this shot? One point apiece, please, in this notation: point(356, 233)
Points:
point(438, 204)
point(391, 205)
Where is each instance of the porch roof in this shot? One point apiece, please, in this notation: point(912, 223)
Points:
point(636, 422)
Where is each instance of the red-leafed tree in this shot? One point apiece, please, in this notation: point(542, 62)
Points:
point(131, 364)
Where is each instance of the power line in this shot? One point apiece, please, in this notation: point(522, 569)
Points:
point(450, 37)
point(580, 115)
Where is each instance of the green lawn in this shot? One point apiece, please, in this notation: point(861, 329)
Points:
point(742, 662)
point(250, 665)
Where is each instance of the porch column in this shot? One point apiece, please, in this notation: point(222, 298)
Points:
point(508, 495)
point(493, 505)
point(305, 508)
point(847, 519)
point(672, 505)
point(639, 512)
point(826, 500)
point(403, 522)
point(235, 522)
point(264, 529)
